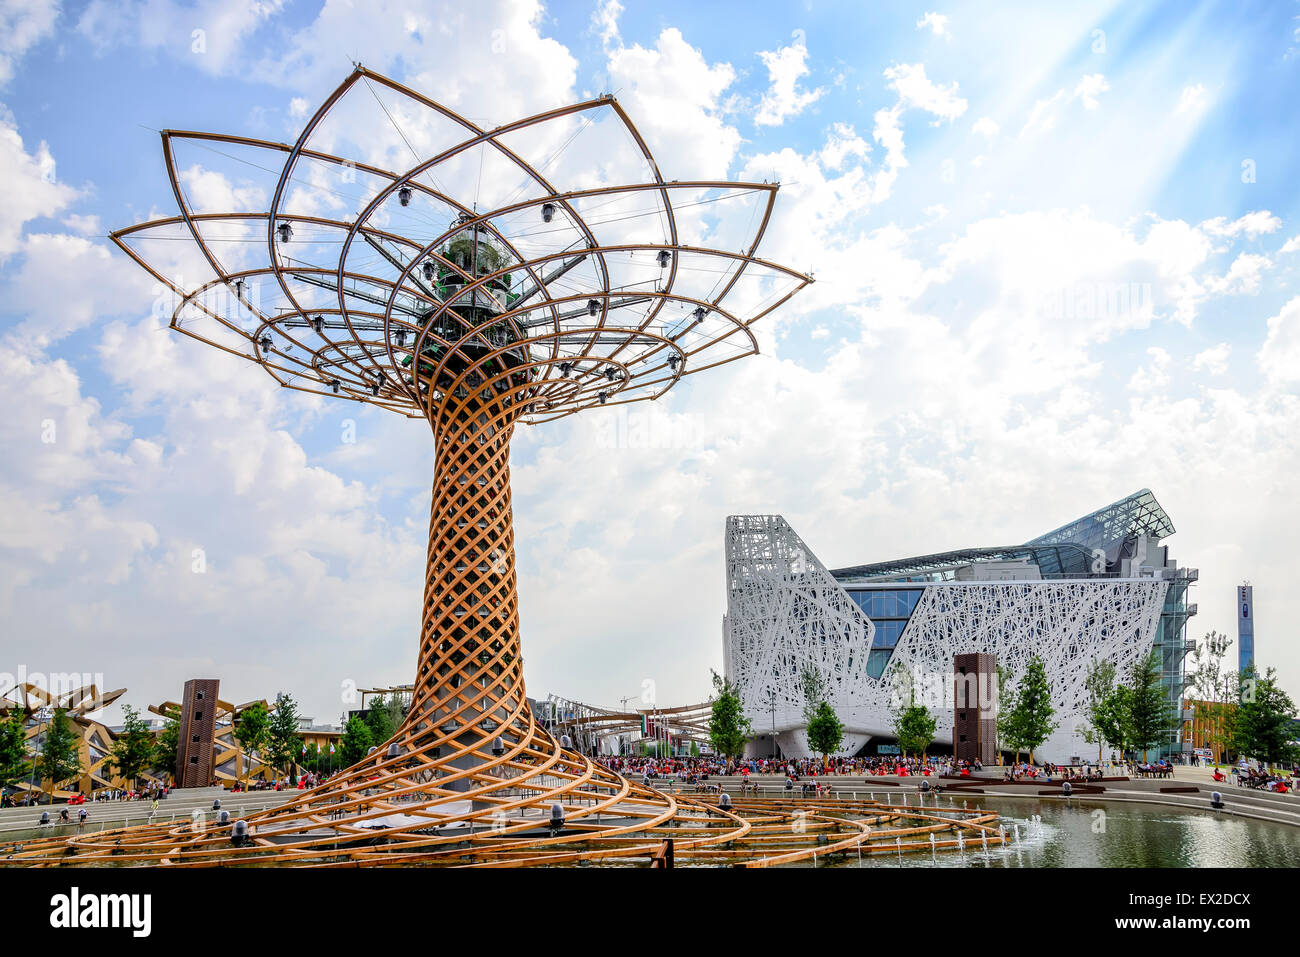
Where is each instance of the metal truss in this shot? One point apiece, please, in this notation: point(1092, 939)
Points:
point(1107, 528)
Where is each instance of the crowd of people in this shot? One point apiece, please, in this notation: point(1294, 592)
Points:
point(1259, 778)
point(694, 770)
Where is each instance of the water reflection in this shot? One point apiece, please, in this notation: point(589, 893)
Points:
point(1091, 834)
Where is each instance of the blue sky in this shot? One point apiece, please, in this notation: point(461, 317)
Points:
point(963, 182)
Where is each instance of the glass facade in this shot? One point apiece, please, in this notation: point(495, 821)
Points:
point(889, 609)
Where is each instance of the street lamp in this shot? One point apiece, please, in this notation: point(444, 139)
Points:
point(771, 703)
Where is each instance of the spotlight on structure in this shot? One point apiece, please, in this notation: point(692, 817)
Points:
point(593, 306)
point(699, 314)
point(672, 363)
point(216, 805)
point(557, 818)
point(401, 338)
point(664, 257)
point(318, 324)
point(239, 289)
point(1066, 788)
point(428, 269)
point(565, 369)
point(239, 834)
point(548, 212)
point(604, 397)
point(285, 231)
point(404, 196)
point(566, 742)
point(611, 373)
point(374, 388)
point(265, 343)
point(334, 384)
point(724, 801)
point(498, 747)
point(1216, 800)
point(223, 817)
point(394, 751)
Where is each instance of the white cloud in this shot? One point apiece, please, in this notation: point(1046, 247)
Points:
point(1253, 224)
point(91, 282)
point(1291, 245)
point(1279, 358)
point(83, 225)
point(1153, 377)
point(985, 127)
point(841, 143)
point(23, 24)
point(1192, 99)
point(29, 186)
point(604, 20)
point(915, 89)
point(1043, 115)
point(1213, 360)
point(784, 99)
point(675, 97)
point(1243, 276)
point(208, 36)
point(937, 23)
point(1089, 88)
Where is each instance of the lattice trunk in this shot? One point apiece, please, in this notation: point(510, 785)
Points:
point(469, 678)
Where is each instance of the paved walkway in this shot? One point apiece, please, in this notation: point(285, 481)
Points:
point(180, 804)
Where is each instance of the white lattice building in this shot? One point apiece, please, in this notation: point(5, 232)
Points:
point(1100, 587)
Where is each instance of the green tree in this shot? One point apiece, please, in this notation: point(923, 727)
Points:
point(1216, 689)
point(356, 741)
point(729, 729)
point(133, 750)
point(1003, 705)
point(1099, 686)
point(1030, 722)
point(283, 743)
point(383, 717)
point(1112, 717)
point(814, 688)
point(914, 729)
point(15, 765)
point(825, 731)
point(251, 728)
point(59, 759)
point(1149, 714)
point(166, 746)
point(1264, 728)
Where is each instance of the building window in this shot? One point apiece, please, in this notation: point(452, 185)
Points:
point(194, 759)
point(195, 739)
point(198, 715)
point(199, 695)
